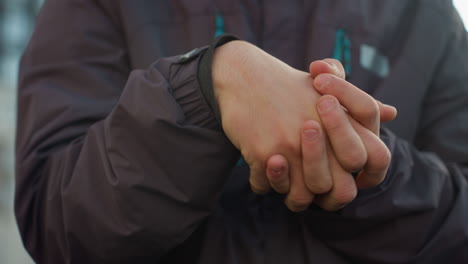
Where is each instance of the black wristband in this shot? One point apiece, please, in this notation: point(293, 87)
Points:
point(205, 73)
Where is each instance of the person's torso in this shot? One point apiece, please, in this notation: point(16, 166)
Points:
point(378, 41)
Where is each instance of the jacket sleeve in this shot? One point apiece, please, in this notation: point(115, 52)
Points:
point(112, 167)
point(419, 214)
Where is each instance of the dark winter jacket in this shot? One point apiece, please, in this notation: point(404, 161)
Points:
point(121, 160)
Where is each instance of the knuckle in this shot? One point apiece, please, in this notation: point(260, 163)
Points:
point(381, 158)
point(280, 186)
point(291, 148)
point(354, 159)
point(311, 124)
point(295, 208)
point(353, 164)
point(374, 182)
point(371, 112)
point(319, 186)
point(285, 143)
point(367, 180)
point(327, 206)
point(332, 121)
point(345, 196)
point(300, 201)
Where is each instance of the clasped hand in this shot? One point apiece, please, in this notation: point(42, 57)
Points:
point(302, 134)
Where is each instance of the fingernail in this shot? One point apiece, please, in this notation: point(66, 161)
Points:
point(322, 81)
point(326, 105)
point(277, 171)
point(311, 134)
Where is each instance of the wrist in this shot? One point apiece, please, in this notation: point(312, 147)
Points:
point(228, 63)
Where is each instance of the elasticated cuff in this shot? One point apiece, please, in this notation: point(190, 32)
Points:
point(205, 73)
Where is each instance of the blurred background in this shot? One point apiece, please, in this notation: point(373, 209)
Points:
point(16, 23)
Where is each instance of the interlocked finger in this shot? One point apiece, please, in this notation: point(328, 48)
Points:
point(361, 106)
point(277, 173)
point(258, 182)
point(317, 176)
point(346, 143)
point(344, 188)
point(378, 158)
point(299, 197)
point(330, 66)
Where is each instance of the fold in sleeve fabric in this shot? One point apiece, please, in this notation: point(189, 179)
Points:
point(112, 166)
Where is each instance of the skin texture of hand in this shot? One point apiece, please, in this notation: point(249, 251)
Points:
point(366, 125)
point(342, 131)
point(263, 104)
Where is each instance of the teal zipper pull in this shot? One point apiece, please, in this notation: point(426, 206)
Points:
point(219, 22)
point(342, 51)
point(240, 162)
